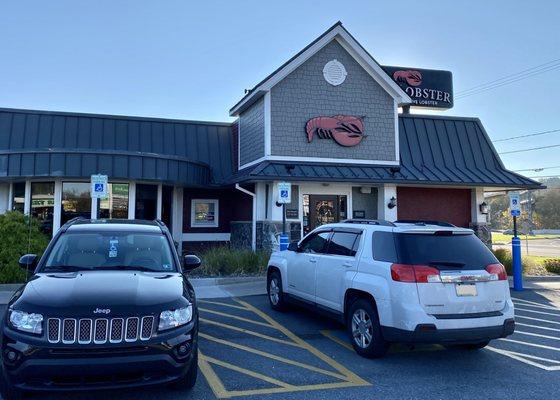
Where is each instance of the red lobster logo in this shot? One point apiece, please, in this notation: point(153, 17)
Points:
point(413, 78)
point(346, 130)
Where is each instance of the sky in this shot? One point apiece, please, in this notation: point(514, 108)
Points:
point(193, 60)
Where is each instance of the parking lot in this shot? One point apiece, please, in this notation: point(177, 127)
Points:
point(250, 351)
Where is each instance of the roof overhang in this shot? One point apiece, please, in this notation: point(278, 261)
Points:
point(346, 40)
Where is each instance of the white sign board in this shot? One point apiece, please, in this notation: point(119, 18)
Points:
point(284, 192)
point(514, 204)
point(99, 186)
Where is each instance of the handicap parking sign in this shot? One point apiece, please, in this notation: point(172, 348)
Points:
point(514, 204)
point(284, 192)
point(99, 186)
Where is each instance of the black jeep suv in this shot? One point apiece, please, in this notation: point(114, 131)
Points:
point(107, 306)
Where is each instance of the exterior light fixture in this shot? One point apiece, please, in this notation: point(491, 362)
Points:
point(392, 203)
point(483, 207)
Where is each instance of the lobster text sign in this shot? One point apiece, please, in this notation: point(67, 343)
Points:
point(346, 130)
point(428, 88)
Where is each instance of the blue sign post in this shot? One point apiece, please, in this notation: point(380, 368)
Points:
point(515, 210)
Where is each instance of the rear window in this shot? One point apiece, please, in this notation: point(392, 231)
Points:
point(461, 251)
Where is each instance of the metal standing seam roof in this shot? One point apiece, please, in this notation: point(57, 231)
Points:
point(75, 145)
point(434, 150)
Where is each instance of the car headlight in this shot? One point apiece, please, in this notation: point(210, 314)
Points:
point(174, 318)
point(27, 322)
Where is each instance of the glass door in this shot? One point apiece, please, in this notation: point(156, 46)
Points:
point(322, 209)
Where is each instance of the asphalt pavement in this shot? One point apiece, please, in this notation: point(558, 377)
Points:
point(249, 351)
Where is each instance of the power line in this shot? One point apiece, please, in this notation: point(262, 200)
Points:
point(527, 135)
point(531, 149)
point(461, 92)
point(536, 169)
point(489, 86)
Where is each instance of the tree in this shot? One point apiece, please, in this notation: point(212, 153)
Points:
point(19, 235)
point(547, 206)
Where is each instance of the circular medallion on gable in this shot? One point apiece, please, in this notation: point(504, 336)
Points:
point(334, 72)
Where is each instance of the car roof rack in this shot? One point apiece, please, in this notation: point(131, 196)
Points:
point(425, 222)
point(380, 222)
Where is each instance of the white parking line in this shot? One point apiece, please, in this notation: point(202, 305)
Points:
point(537, 335)
point(536, 312)
point(537, 326)
point(520, 357)
point(533, 302)
point(537, 319)
point(541, 346)
point(534, 305)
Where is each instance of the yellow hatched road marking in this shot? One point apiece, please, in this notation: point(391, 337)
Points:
point(350, 376)
point(272, 356)
point(248, 372)
point(249, 332)
point(219, 303)
point(235, 317)
point(337, 340)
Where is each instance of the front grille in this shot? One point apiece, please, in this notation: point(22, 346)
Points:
point(99, 331)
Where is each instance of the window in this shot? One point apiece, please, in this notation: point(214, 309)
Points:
point(384, 247)
point(76, 201)
point(18, 196)
point(167, 205)
point(316, 243)
point(204, 213)
point(111, 251)
point(42, 205)
point(116, 203)
point(146, 202)
point(344, 244)
point(457, 250)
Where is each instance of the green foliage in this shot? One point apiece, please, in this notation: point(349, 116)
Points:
point(223, 261)
point(19, 235)
point(552, 265)
point(504, 256)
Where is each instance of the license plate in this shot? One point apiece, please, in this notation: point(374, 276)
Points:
point(465, 289)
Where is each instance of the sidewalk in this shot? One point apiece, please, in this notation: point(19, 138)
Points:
point(209, 288)
point(205, 288)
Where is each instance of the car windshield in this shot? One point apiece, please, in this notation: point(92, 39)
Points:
point(110, 251)
point(457, 251)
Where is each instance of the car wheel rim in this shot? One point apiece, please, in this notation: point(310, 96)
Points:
point(362, 328)
point(274, 291)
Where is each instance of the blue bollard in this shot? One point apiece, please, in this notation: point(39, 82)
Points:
point(516, 263)
point(284, 241)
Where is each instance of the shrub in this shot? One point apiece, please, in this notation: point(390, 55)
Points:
point(552, 265)
point(221, 261)
point(19, 235)
point(504, 256)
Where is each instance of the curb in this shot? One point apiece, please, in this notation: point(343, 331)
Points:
point(225, 281)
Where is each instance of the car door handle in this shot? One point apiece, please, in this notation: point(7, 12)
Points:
point(313, 260)
point(348, 264)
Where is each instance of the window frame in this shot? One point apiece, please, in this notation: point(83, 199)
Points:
point(215, 223)
point(357, 240)
point(314, 233)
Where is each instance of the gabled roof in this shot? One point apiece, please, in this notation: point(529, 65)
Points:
point(434, 150)
point(350, 44)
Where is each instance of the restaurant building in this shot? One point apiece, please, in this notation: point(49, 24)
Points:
point(331, 121)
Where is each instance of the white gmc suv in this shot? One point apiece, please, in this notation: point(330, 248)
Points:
point(389, 282)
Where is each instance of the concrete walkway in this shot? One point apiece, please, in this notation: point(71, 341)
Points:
point(211, 288)
point(206, 288)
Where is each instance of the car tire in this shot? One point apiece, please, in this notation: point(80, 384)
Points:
point(8, 391)
point(275, 291)
point(187, 381)
point(365, 331)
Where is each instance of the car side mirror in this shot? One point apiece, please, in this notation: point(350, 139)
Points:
point(191, 262)
point(28, 262)
point(294, 247)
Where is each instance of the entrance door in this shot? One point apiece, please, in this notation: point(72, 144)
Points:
point(323, 209)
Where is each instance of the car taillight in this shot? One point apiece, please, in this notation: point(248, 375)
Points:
point(414, 273)
point(498, 270)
